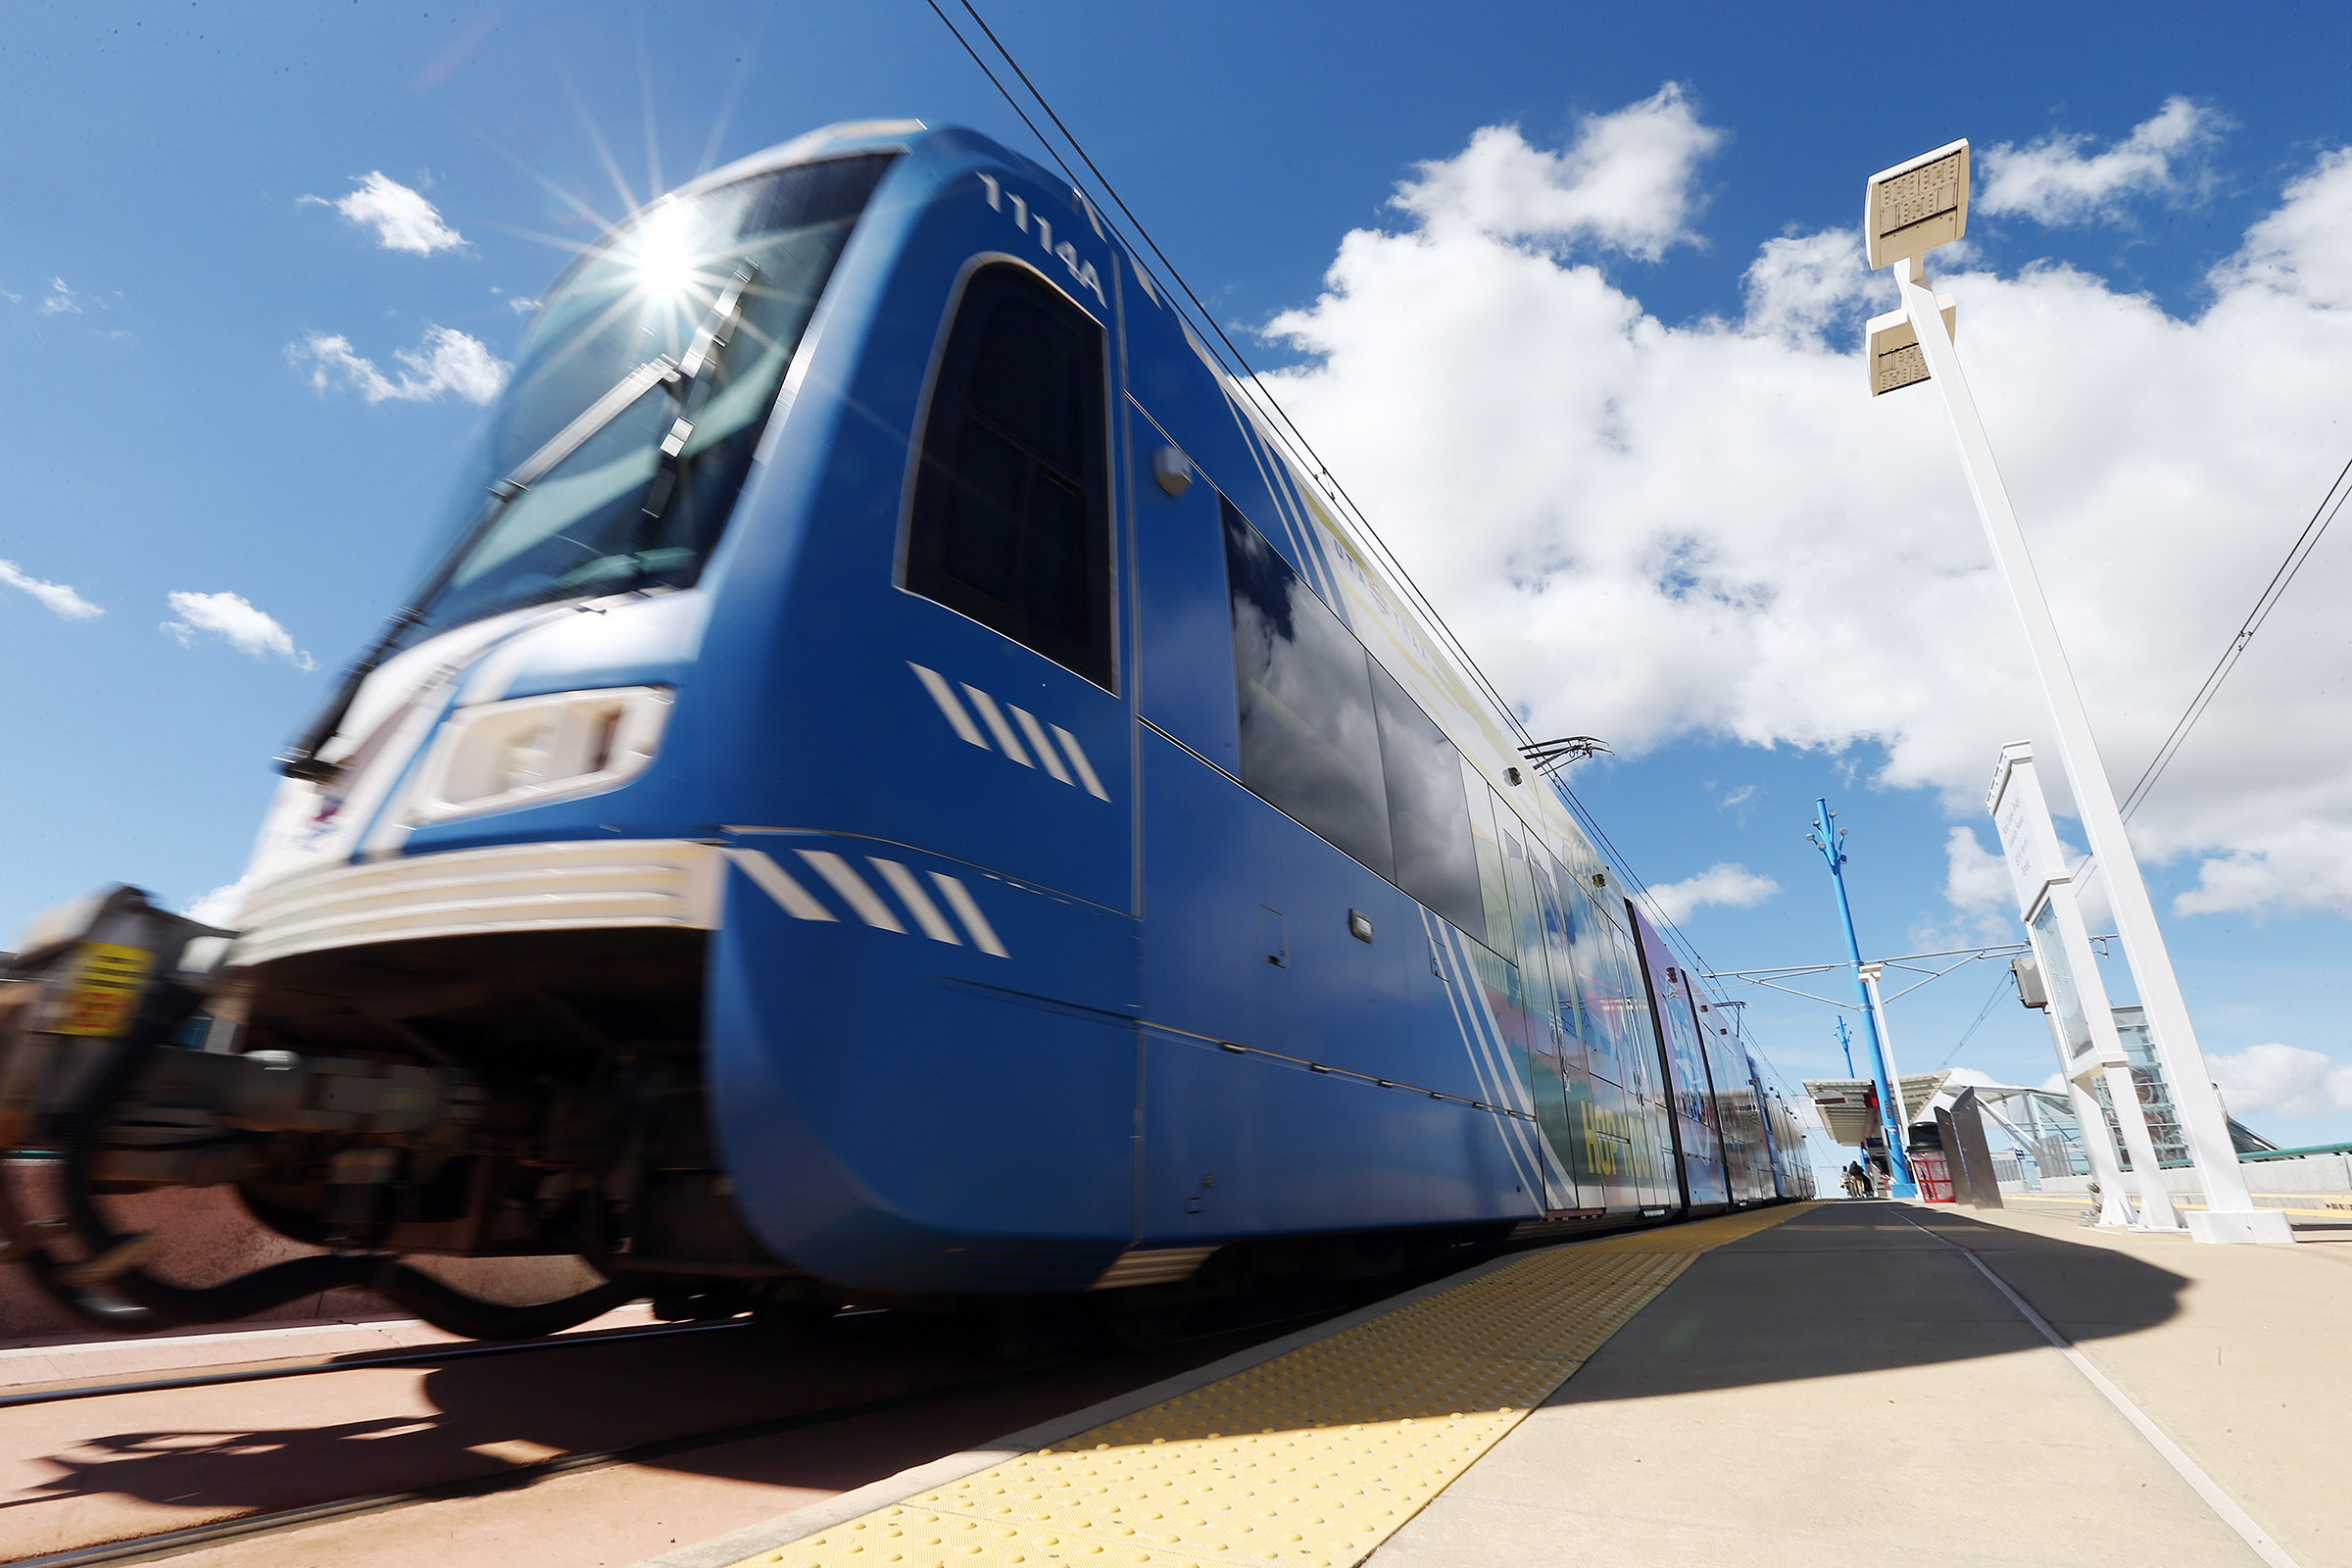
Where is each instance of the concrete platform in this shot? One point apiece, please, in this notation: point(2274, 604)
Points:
point(1832, 1383)
point(1848, 1386)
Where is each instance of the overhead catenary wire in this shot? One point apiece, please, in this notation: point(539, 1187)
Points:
point(2297, 555)
point(1289, 430)
point(1246, 379)
point(2000, 983)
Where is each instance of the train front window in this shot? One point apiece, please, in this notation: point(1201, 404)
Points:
point(617, 511)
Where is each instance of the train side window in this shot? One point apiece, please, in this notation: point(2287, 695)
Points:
point(1487, 850)
point(1011, 516)
point(1310, 740)
point(1428, 816)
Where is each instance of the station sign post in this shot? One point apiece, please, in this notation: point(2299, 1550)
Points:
point(2082, 1020)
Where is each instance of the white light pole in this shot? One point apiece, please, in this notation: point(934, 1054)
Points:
point(1870, 973)
point(1909, 210)
point(2082, 1019)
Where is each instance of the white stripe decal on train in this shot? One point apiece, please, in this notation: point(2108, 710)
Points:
point(1039, 744)
point(1086, 770)
point(843, 878)
point(944, 696)
point(794, 899)
point(918, 903)
point(984, 935)
point(1005, 738)
point(1490, 1058)
point(1043, 734)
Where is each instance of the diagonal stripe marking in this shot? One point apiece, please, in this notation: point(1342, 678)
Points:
point(1086, 770)
point(944, 696)
point(844, 879)
point(910, 893)
point(771, 879)
point(984, 935)
point(997, 726)
point(1037, 743)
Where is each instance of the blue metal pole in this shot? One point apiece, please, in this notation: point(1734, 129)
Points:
point(1830, 841)
point(1845, 1044)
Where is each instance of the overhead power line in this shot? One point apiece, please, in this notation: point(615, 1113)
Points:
point(1279, 423)
point(1283, 429)
point(2000, 983)
point(1237, 365)
point(2297, 555)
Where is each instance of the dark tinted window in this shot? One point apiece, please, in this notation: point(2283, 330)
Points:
point(1310, 740)
point(1011, 516)
point(1429, 815)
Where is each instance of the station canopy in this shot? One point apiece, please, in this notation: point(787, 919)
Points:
point(1849, 1106)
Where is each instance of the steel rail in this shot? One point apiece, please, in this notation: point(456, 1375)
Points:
point(172, 1543)
point(361, 1362)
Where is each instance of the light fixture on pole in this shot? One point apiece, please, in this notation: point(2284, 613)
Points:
point(1908, 211)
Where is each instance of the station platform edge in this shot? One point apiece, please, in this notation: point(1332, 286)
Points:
point(1310, 1456)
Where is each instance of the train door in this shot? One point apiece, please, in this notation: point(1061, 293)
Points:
point(1570, 1026)
point(1647, 1081)
point(1615, 1133)
point(1010, 528)
point(1546, 1048)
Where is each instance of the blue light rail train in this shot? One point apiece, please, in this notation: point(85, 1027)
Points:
point(898, 785)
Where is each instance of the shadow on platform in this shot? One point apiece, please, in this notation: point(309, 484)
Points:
point(1839, 1289)
point(1858, 1287)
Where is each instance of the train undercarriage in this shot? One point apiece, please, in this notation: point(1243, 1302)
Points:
point(516, 1094)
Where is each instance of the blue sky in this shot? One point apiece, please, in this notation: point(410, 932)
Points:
point(181, 420)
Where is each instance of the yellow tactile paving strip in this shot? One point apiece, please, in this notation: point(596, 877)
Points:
point(1308, 1460)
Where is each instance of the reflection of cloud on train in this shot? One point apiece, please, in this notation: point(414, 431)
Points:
point(902, 786)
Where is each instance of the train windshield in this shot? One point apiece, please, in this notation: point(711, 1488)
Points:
point(646, 461)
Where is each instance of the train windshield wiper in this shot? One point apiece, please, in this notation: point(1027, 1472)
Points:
point(678, 376)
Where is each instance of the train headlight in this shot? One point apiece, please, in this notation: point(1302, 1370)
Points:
point(496, 756)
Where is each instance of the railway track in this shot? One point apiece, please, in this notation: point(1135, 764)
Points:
point(664, 1384)
point(58, 1392)
point(173, 1543)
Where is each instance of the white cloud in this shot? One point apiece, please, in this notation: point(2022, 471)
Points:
point(403, 220)
point(1623, 184)
point(1734, 886)
point(1802, 285)
point(2054, 181)
point(2297, 252)
point(447, 361)
point(236, 622)
point(2300, 866)
point(1650, 531)
point(221, 905)
point(2282, 1080)
point(61, 599)
point(60, 299)
point(1976, 879)
point(520, 306)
